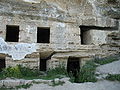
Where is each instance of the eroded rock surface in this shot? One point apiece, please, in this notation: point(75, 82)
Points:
point(18, 51)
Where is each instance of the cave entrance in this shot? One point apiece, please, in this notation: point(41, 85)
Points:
point(44, 57)
point(12, 33)
point(43, 35)
point(73, 66)
point(43, 64)
point(2, 63)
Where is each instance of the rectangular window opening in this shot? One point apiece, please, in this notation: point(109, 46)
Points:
point(43, 35)
point(12, 33)
point(85, 36)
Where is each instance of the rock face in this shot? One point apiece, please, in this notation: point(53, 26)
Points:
point(18, 51)
point(110, 8)
point(46, 33)
point(112, 68)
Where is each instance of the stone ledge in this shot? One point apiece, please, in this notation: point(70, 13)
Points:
point(8, 83)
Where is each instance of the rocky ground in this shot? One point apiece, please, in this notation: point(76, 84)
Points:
point(111, 68)
point(101, 85)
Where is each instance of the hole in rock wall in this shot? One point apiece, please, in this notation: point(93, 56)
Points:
point(73, 66)
point(43, 64)
point(12, 33)
point(2, 63)
point(43, 35)
point(44, 57)
point(86, 37)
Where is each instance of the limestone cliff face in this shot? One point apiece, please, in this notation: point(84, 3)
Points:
point(76, 11)
point(65, 19)
point(110, 8)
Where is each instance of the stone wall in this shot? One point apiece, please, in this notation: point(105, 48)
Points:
point(96, 37)
point(64, 18)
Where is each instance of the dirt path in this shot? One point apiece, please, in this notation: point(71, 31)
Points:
point(101, 85)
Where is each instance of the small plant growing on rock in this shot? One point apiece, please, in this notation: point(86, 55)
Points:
point(24, 86)
point(19, 72)
point(106, 60)
point(58, 72)
point(87, 72)
point(27, 73)
point(12, 72)
point(114, 77)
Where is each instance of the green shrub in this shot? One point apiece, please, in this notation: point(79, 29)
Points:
point(87, 76)
point(58, 72)
point(87, 72)
point(27, 72)
point(114, 77)
point(19, 72)
point(1, 76)
point(106, 60)
point(72, 78)
point(12, 72)
point(24, 86)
